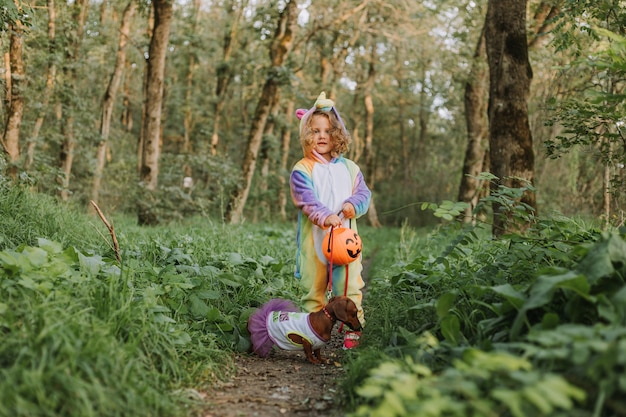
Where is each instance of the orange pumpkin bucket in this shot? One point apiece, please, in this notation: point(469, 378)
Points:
point(345, 246)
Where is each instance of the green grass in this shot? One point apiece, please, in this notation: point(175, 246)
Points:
point(25, 216)
point(82, 335)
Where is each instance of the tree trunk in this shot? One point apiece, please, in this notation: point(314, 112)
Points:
point(66, 158)
point(280, 48)
point(126, 118)
point(153, 105)
point(511, 148)
point(356, 149)
point(369, 134)
point(332, 69)
point(11, 136)
point(475, 101)
point(51, 72)
point(224, 75)
point(401, 120)
point(266, 150)
point(188, 114)
point(7, 81)
point(142, 126)
point(284, 157)
point(606, 186)
point(544, 22)
point(424, 111)
point(109, 99)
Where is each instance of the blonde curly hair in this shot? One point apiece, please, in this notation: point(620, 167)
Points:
point(339, 136)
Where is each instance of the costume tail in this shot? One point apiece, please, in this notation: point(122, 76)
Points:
point(257, 324)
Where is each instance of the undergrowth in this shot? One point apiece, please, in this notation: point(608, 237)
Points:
point(458, 324)
point(531, 325)
point(84, 335)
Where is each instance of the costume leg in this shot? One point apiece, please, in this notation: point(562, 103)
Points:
point(315, 283)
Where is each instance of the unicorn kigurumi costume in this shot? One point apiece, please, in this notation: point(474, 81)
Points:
point(319, 189)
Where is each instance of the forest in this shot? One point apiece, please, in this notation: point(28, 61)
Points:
point(145, 209)
point(83, 122)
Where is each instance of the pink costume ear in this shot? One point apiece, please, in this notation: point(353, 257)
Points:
point(300, 113)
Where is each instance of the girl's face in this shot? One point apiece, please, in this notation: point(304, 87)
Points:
point(321, 128)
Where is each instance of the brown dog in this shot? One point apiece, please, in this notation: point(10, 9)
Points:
point(280, 323)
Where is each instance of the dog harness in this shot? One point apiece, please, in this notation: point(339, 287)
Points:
point(280, 324)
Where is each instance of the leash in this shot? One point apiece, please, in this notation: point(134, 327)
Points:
point(329, 290)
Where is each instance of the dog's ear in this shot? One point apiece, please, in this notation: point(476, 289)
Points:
point(340, 308)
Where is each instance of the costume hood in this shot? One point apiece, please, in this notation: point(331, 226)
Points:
point(323, 104)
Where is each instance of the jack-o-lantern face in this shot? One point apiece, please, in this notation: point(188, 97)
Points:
point(353, 246)
point(345, 247)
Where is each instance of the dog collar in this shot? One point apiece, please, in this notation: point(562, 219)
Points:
point(327, 314)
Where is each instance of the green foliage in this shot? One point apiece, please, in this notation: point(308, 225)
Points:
point(14, 11)
point(508, 200)
point(210, 285)
point(447, 210)
point(83, 335)
point(594, 119)
point(27, 216)
point(473, 326)
point(78, 338)
point(213, 181)
point(457, 323)
point(477, 384)
point(588, 355)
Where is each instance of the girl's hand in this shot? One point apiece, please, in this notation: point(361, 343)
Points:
point(348, 210)
point(332, 220)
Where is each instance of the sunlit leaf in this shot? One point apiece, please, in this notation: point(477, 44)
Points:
point(37, 256)
point(235, 258)
point(209, 294)
point(512, 400)
point(162, 318)
point(225, 327)
point(599, 260)
point(512, 296)
point(370, 390)
point(198, 307)
point(49, 245)
point(229, 279)
point(213, 314)
point(90, 264)
point(550, 320)
point(181, 338)
point(538, 398)
point(393, 404)
point(445, 303)
point(451, 328)
point(9, 260)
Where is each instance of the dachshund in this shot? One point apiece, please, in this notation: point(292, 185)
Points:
point(280, 323)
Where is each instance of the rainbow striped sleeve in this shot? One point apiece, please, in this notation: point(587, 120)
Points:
point(303, 193)
point(361, 194)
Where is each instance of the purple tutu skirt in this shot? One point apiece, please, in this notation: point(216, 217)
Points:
point(257, 324)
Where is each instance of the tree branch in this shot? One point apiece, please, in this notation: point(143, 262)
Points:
point(116, 246)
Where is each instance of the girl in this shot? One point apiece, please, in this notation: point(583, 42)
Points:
point(329, 191)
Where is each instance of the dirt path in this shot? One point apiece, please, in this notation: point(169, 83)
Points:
point(284, 384)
